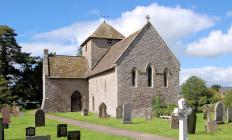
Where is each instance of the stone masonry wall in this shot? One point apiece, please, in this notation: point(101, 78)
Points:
point(148, 49)
point(103, 88)
point(59, 91)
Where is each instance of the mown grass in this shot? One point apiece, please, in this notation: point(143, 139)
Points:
point(18, 125)
point(156, 126)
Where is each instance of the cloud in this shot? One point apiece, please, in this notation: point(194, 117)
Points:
point(36, 48)
point(214, 44)
point(229, 14)
point(173, 23)
point(212, 75)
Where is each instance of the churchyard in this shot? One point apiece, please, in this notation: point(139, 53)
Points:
point(18, 125)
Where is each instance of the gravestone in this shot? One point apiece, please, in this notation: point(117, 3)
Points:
point(30, 131)
point(6, 116)
point(74, 135)
point(192, 119)
point(229, 114)
point(174, 122)
point(148, 115)
point(15, 109)
point(48, 137)
point(39, 118)
point(102, 111)
point(119, 112)
point(126, 115)
point(84, 111)
point(62, 130)
point(219, 113)
point(1, 129)
point(205, 108)
point(211, 126)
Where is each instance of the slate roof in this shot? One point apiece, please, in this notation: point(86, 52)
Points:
point(105, 31)
point(108, 60)
point(68, 67)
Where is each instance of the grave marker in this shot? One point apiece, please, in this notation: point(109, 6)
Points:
point(119, 112)
point(126, 116)
point(62, 130)
point(219, 113)
point(229, 114)
point(39, 118)
point(6, 116)
point(74, 135)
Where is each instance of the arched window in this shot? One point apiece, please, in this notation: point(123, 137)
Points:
point(149, 76)
point(134, 77)
point(165, 77)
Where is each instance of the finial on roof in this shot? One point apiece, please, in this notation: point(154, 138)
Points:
point(148, 18)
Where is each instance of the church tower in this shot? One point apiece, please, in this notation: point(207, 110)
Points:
point(97, 44)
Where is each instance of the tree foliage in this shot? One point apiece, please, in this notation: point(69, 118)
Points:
point(216, 87)
point(22, 72)
point(228, 99)
point(5, 93)
point(194, 91)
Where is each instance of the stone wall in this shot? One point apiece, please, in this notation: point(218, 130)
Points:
point(59, 91)
point(95, 49)
point(103, 88)
point(148, 48)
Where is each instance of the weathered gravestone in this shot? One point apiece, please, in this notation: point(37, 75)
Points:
point(229, 114)
point(119, 112)
point(1, 129)
point(126, 115)
point(30, 131)
point(192, 119)
point(15, 109)
point(84, 111)
point(74, 135)
point(219, 113)
point(205, 112)
point(210, 125)
point(174, 122)
point(6, 116)
point(39, 118)
point(148, 115)
point(62, 130)
point(102, 111)
point(48, 137)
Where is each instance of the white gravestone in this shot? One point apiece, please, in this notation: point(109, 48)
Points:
point(182, 112)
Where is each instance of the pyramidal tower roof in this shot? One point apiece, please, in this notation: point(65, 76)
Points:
point(105, 31)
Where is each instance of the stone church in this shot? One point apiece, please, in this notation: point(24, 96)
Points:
point(112, 70)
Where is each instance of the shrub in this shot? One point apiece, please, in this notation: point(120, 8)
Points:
point(161, 108)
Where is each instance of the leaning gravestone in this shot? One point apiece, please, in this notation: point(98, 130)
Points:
point(102, 111)
point(174, 122)
point(1, 129)
point(48, 137)
point(62, 130)
point(148, 115)
point(219, 113)
point(74, 135)
point(6, 116)
point(126, 115)
point(210, 125)
point(39, 118)
point(192, 119)
point(119, 112)
point(229, 114)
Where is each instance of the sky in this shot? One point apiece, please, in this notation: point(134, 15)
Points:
point(198, 32)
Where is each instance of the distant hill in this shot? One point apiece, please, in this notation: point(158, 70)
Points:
point(225, 89)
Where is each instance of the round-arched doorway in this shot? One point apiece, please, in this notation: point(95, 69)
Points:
point(76, 102)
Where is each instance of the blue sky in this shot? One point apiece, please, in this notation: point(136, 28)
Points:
point(198, 32)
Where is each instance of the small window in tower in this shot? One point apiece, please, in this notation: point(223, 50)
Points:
point(109, 41)
point(165, 78)
point(149, 76)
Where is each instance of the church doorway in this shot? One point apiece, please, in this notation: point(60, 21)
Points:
point(76, 102)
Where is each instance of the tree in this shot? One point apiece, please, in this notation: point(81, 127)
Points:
point(228, 99)
point(5, 93)
point(216, 87)
point(194, 91)
point(11, 57)
point(213, 95)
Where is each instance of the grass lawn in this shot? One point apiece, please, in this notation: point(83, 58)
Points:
point(156, 126)
point(18, 124)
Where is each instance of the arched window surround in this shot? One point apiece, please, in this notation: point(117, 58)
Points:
point(150, 75)
point(165, 78)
